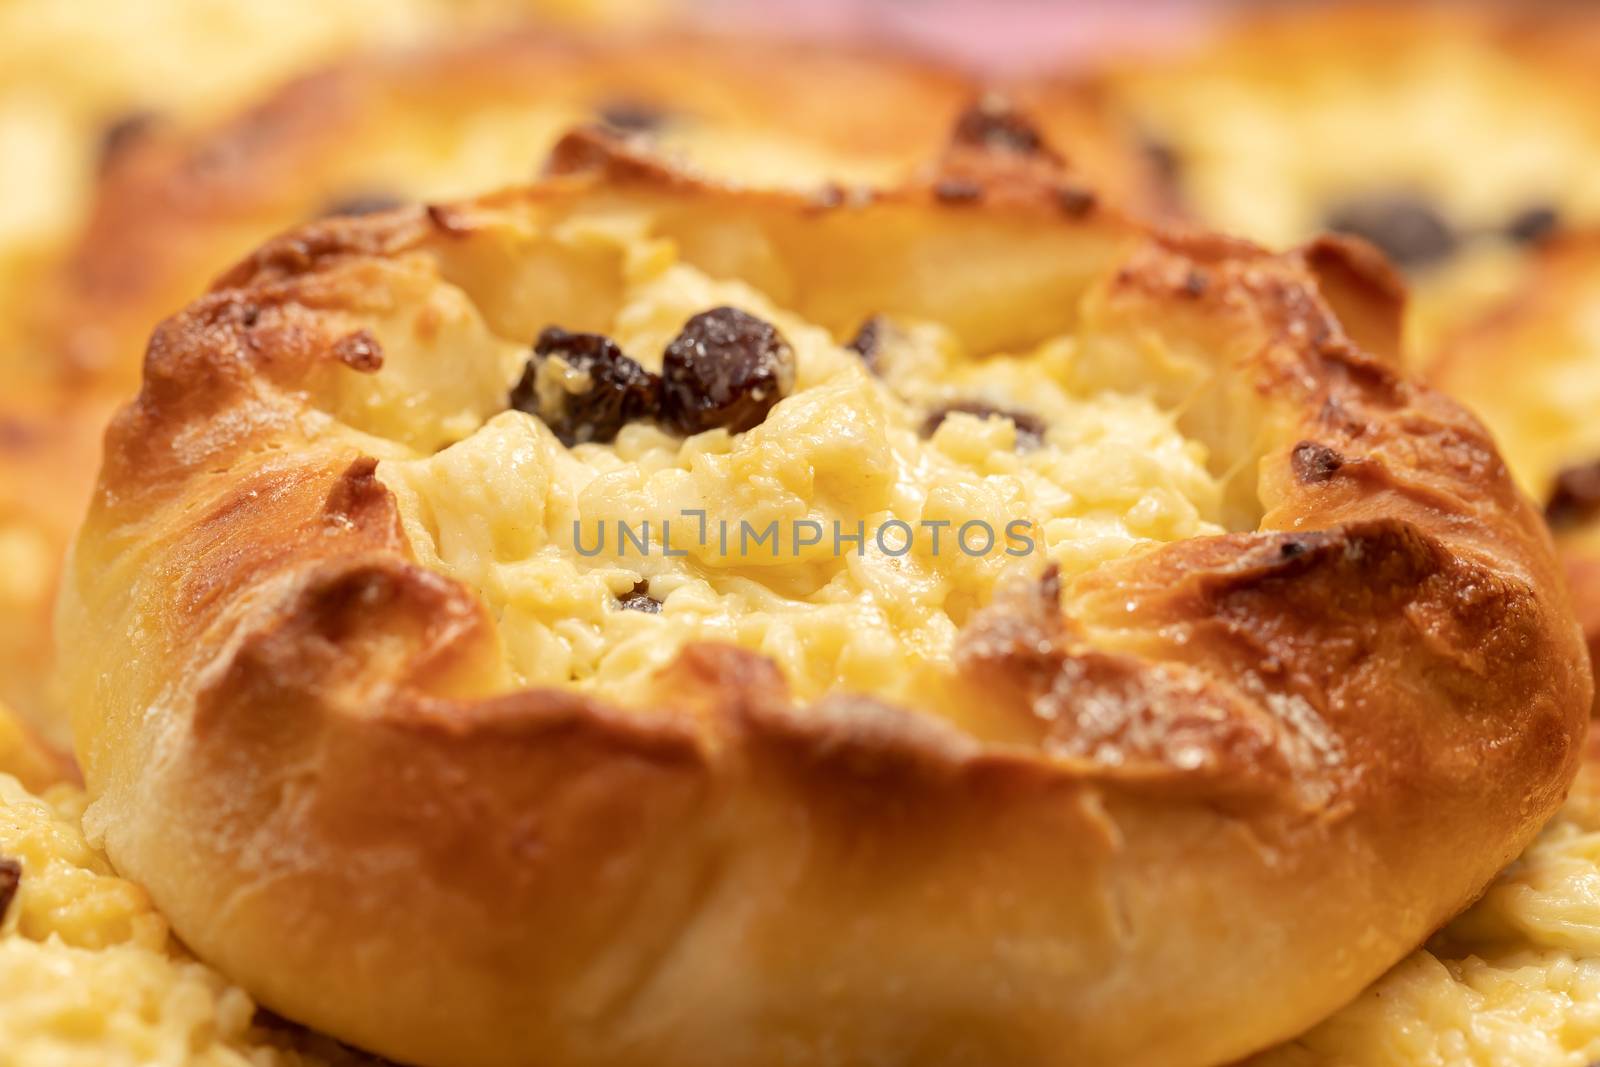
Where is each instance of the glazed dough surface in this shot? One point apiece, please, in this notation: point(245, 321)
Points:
point(497, 509)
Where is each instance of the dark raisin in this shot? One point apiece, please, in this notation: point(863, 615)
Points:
point(1314, 463)
point(1575, 497)
point(357, 204)
point(639, 599)
point(1163, 159)
point(868, 341)
point(994, 123)
point(957, 191)
point(1050, 585)
point(121, 133)
point(631, 116)
point(1030, 428)
point(10, 879)
point(1076, 200)
point(1291, 549)
point(727, 368)
point(832, 195)
point(1533, 224)
point(1406, 226)
point(584, 388)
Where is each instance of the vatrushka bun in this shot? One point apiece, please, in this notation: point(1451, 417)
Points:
point(1285, 673)
point(173, 209)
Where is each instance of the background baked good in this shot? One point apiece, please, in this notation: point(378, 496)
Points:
point(1453, 135)
point(79, 80)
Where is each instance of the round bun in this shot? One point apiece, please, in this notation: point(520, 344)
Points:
point(393, 750)
point(1362, 117)
point(174, 208)
point(1530, 367)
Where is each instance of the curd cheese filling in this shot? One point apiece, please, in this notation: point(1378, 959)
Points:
point(703, 464)
point(90, 975)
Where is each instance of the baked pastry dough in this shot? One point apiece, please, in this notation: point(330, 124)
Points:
point(1530, 367)
point(1455, 136)
point(391, 750)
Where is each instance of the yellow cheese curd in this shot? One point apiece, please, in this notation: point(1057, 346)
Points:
point(498, 508)
point(90, 977)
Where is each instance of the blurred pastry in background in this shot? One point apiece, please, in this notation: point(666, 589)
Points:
point(1452, 136)
point(1530, 367)
point(80, 81)
point(25, 757)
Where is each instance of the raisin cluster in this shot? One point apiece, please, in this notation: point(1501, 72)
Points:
point(726, 369)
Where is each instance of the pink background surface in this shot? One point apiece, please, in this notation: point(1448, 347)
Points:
point(998, 35)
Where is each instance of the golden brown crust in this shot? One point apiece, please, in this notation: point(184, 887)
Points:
point(1240, 775)
point(1364, 291)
